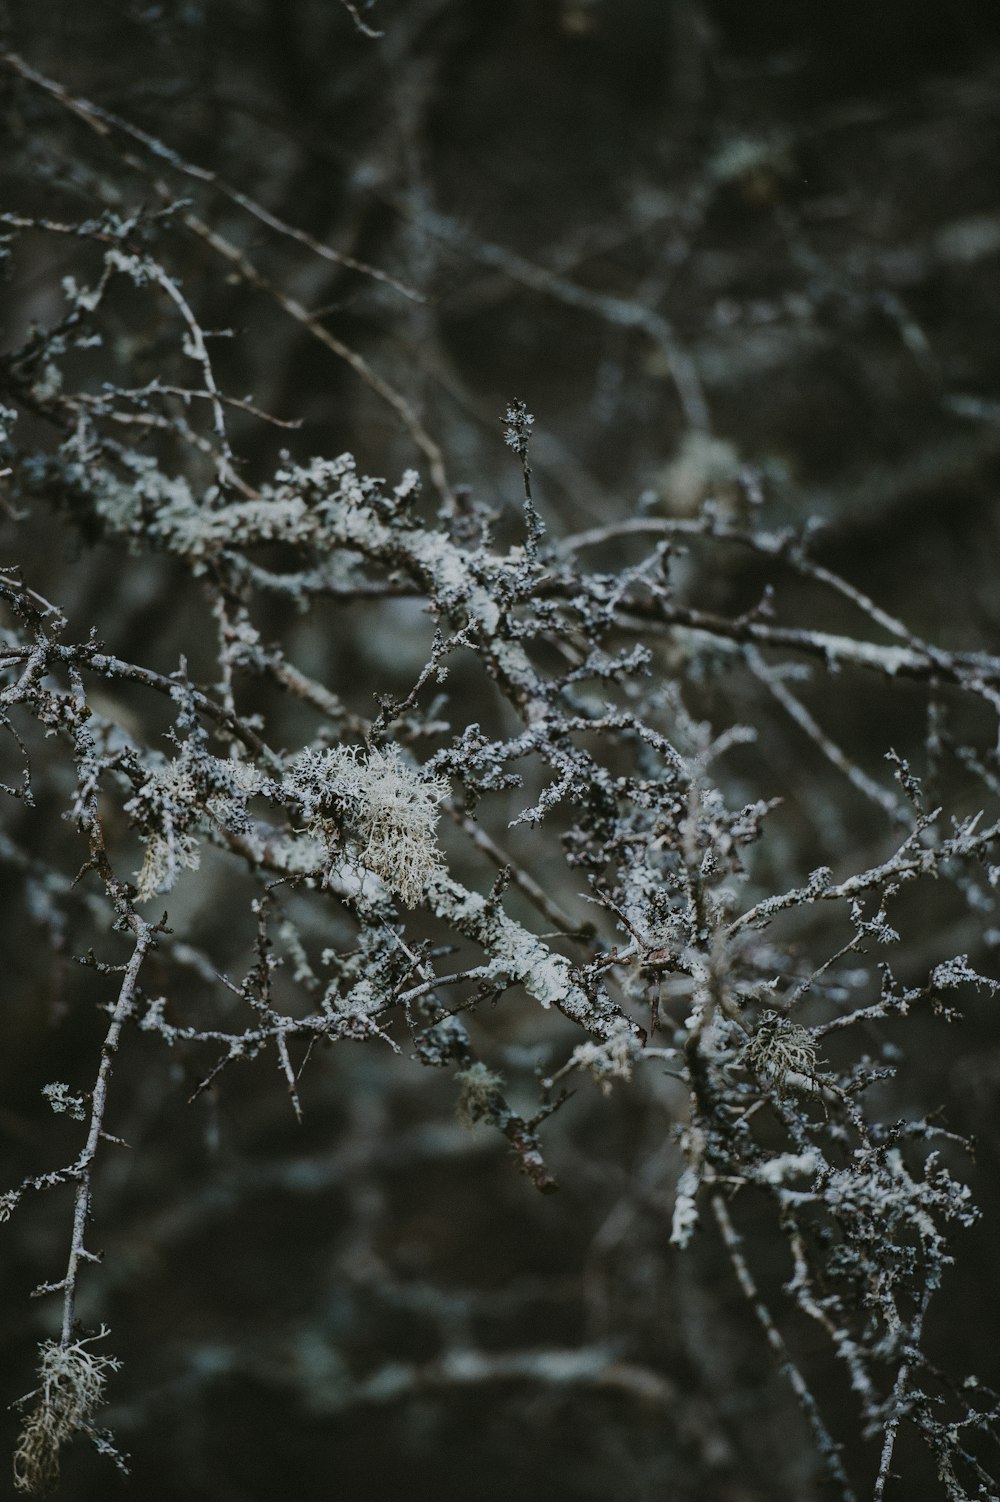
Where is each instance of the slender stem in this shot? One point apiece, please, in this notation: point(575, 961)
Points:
point(824, 1440)
point(123, 1009)
point(898, 1389)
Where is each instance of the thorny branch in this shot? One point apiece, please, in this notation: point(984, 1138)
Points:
point(124, 1008)
point(620, 818)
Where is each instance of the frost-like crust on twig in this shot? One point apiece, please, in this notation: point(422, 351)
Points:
point(613, 1058)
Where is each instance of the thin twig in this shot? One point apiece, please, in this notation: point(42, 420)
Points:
point(103, 121)
point(825, 1444)
point(123, 1010)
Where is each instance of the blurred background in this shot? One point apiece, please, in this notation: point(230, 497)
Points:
point(718, 249)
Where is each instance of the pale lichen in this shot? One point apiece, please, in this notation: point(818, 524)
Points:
point(478, 1088)
point(781, 1051)
point(71, 1390)
point(613, 1058)
point(388, 809)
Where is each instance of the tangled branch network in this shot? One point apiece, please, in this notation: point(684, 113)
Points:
point(634, 896)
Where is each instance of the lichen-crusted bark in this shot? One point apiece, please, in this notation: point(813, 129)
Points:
point(521, 956)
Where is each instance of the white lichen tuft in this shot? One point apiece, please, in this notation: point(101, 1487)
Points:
point(167, 805)
point(166, 802)
point(72, 1386)
point(477, 1087)
point(397, 814)
point(389, 809)
point(181, 800)
point(165, 857)
point(781, 1051)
